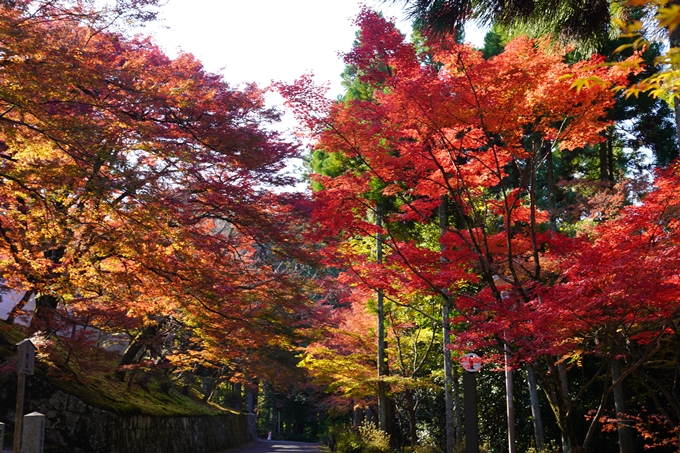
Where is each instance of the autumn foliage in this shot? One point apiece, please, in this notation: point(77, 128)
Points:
point(445, 128)
point(137, 190)
point(141, 197)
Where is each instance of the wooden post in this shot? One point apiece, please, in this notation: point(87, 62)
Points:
point(2, 436)
point(471, 363)
point(19, 417)
point(26, 353)
point(470, 409)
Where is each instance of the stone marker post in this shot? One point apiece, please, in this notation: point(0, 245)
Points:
point(26, 353)
point(2, 436)
point(33, 435)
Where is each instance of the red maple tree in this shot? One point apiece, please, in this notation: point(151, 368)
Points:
point(449, 127)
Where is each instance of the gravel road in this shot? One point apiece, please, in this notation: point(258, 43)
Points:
point(277, 446)
point(262, 446)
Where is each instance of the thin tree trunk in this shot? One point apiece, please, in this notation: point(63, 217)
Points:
point(457, 408)
point(552, 188)
point(237, 391)
point(555, 379)
point(509, 404)
point(358, 415)
point(624, 430)
point(446, 341)
point(412, 425)
point(610, 159)
point(134, 347)
point(674, 41)
point(19, 306)
point(208, 388)
point(567, 442)
point(676, 109)
point(535, 409)
point(605, 177)
point(383, 419)
point(448, 380)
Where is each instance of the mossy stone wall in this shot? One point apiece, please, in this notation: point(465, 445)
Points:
point(73, 426)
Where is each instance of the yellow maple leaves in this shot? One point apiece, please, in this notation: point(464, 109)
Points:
point(666, 16)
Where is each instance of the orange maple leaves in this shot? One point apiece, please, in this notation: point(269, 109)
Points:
point(149, 176)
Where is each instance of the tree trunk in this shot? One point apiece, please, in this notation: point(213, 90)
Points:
point(610, 159)
point(674, 41)
point(535, 410)
point(554, 378)
point(19, 306)
point(624, 430)
point(446, 342)
point(237, 392)
point(509, 404)
point(251, 397)
point(448, 379)
point(552, 190)
point(383, 411)
point(45, 305)
point(358, 415)
point(412, 425)
point(568, 443)
point(135, 347)
point(457, 408)
point(209, 385)
point(605, 177)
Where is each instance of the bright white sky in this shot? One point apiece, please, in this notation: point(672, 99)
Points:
point(264, 40)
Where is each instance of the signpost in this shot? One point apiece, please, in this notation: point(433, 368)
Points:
point(26, 357)
point(26, 351)
point(471, 363)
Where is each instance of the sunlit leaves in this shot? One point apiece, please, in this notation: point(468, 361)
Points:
point(453, 132)
point(136, 188)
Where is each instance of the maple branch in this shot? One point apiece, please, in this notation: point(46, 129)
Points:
point(6, 112)
point(441, 291)
point(400, 353)
point(417, 367)
point(608, 389)
point(598, 413)
point(645, 379)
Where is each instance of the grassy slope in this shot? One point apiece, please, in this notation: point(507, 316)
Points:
point(92, 381)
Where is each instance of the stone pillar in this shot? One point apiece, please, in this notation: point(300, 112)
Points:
point(2, 436)
point(33, 433)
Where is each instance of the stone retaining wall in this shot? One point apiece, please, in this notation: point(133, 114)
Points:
point(75, 427)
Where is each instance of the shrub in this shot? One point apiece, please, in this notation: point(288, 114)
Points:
point(348, 441)
point(367, 439)
point(374, 439)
